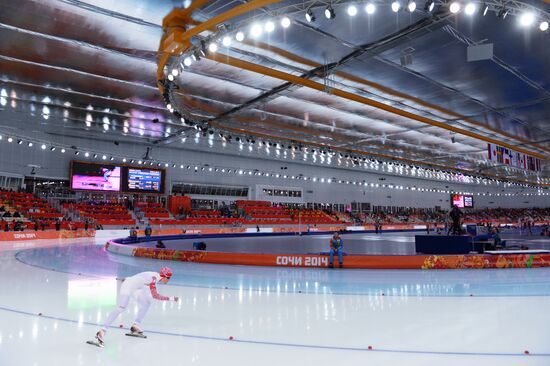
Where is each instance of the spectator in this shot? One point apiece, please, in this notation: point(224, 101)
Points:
point(7, 214)
point(336, 246)
point(148, 231)
point(57, 225)
point(134, 233)
point(2, 209)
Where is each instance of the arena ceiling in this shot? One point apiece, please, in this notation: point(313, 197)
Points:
point(93, 64)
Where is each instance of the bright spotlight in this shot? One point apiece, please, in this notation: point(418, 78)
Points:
point(429, 6)
point(470, 9)
point(455, 7)
point(411, 6)
point(175, 71)
point(329, 12)
point(226, 41)
point(370, 8)
point(212, 47)
point(395, 6)
point(269, 26)
point(352, 10)
point(187, 61)
point(485, 9)
point(239, 36)
point(310, 17)
point(256, 30)
point(543, 26)
point(285, 22)
point(527, 19)
point(170, 77)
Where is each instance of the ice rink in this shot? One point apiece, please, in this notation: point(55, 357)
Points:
point(55, 293)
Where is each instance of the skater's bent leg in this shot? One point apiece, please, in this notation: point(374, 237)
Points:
point(340, 256)
point(144, 302)
point(122, 303)
point(331, 257)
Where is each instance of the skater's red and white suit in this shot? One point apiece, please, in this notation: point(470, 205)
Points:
point(143, 287)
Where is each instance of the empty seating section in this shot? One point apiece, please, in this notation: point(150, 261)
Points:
point(104, 213)
point(151, 210)
point(312, 217)
point(29, 206)
point(205, 213)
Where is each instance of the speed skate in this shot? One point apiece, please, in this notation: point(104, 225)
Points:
point(137, 335)
point(95, 343)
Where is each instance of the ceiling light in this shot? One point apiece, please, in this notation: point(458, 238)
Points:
point(310, 17)
point(329, 12)
point(352, 10)
point(52, 148)
point(77, 153)
point(269, 26)
point(256, 30)
point(226, 41)
point(485, 9)
point(104, 157)
point(30, 144)
point(63, 151)
point(411, 6)
point(395, 6)
point(455, 7)
point(429, 5)
point(527, 19)
point(212, 47)
point(19, 142)
point(170, 77)
point(175, 71)
point(239, 36)
point(370, 8)
point(87, 154)
point(285, 22)
point(543, 26)
point(470, 9)
point(502, 13)
point(187, 61)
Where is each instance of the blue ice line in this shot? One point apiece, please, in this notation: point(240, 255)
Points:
point(281, 344)
point(286, 292)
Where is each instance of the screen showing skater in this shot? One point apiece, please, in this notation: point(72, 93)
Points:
point(144, 180)
point(462, 201)
point(95, 177)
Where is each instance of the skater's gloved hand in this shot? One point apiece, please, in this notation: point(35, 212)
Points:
point(176, 299)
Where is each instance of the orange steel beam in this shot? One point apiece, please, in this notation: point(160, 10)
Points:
point(209, 108)
point(378, 155)
point(388, 90)
point(359, 99)
point(175, 40)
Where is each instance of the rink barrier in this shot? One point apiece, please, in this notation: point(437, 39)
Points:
point(50, 234)
point(468, 261)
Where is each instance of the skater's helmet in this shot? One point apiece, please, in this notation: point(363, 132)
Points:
point(165, 272)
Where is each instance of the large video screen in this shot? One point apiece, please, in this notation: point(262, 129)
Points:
point(144, 180)
point(462, 201)
point(95, 177)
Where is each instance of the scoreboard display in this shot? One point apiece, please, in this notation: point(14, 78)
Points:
point(107, 177)
point(148, 180)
